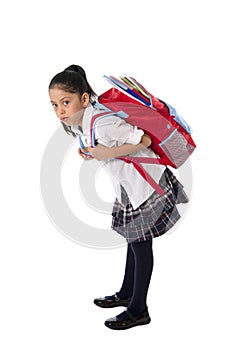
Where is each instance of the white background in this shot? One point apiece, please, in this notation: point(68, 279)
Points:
point(182, 52)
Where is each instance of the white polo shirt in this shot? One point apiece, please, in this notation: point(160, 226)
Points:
point(114, 131)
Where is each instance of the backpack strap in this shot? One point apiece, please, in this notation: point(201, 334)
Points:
point(143, 173)
point(93, 124)
point(147, 160)
point(136, 161)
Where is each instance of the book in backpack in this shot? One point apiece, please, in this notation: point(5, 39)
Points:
point(170, 134)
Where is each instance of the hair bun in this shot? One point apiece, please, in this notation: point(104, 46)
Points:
point(77, 69)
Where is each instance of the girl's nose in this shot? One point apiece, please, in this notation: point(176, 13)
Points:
point(61, 112)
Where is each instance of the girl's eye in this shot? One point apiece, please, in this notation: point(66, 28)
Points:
point(66, 103)
point(54, 105)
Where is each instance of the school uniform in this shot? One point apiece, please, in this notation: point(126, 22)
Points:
point(139, 212)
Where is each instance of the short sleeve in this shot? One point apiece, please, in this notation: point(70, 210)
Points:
point(115, 131)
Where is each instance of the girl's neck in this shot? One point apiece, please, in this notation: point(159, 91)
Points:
point(79, 123)
point(78, 120)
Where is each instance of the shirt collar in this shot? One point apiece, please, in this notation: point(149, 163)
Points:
point(88, 113)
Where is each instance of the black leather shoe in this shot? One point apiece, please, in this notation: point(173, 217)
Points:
point(131, 321)
point(111, 301)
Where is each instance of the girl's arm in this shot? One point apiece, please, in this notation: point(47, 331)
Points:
point(101, 152)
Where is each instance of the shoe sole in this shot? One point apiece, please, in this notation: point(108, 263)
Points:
point(111, 306)
point(140, 323)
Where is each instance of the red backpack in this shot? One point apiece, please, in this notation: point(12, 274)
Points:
point(170, 134)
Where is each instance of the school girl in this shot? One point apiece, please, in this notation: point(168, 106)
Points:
point(139, 213)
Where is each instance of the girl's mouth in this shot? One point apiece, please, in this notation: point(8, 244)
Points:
point(64, 119)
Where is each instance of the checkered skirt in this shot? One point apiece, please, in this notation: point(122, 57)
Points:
point(154, 217)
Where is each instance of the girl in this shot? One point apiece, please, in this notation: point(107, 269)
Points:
point(139, 213)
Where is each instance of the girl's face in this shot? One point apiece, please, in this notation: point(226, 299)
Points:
point(69, 107)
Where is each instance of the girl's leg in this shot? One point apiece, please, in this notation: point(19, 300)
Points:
point(143, 255)
point(126, 290)
point(143, 266)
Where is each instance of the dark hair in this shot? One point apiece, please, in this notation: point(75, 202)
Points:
point(73, 79)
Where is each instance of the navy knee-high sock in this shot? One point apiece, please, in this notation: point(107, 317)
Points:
point(138, 271)
point(143, 256)
point(128, 281)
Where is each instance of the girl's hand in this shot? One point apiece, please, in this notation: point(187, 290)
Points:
point(84, 156)
point(100, 152)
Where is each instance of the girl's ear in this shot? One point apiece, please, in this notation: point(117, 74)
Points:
point(85, 99)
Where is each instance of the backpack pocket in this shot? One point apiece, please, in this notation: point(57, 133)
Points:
point(176, 148)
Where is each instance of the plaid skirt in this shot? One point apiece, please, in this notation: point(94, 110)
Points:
point(154, 217)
